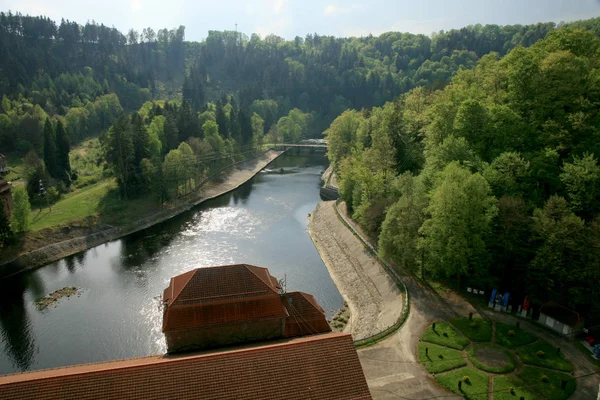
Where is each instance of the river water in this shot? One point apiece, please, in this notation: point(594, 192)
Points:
point(263, 222)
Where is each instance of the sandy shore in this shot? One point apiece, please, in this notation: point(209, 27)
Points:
point(374, 301)
point(81, 239)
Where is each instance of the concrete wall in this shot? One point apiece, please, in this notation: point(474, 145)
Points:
point(223, 335)
point(555, 325)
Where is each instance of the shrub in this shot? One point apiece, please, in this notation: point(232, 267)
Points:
point(511, 333)
point(473, 324)
point(440, 356)
point(540, 353)
point(466, 379)
point(544, 378)
point(445, 334)
point(511, 390)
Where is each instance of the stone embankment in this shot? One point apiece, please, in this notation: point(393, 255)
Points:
point(374, 300)
point(71, 241)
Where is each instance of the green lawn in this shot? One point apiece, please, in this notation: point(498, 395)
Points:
point(482, 332)
point(551, 389)
point(551, 359)
point(477, 387)
point(482, 348)
point(445, 335)
point(451, 358)
point(502, 384)
point(72, 207)
point(520, 337)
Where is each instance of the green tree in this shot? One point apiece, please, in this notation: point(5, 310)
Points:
point(5, 230)
point(63, 147)
point(582, 180)
point(20, 218)
point(50, 149)
point(119, 152)
point(341, 136)
point(454, 237)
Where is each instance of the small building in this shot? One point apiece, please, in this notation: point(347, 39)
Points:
point(6, 197)
point(322, 366)
point(225, 305)
point(560, 319)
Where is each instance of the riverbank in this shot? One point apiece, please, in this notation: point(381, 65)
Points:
point(49, 245)
point(374, 300)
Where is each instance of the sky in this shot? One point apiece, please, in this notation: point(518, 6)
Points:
point(288, 19)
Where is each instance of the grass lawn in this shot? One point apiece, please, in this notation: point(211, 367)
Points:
point(502, 384)
point(520, 337)
point(551, 389)
point(482, 332)
point(528, 355)
point(445, 335)
point(74, 206)
point(434, 364)
point(477, 387)
point(481, 349)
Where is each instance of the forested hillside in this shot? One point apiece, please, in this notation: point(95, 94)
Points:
point(492, 181)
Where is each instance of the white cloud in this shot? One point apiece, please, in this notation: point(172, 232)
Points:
point(332, 9)
point(136, 5)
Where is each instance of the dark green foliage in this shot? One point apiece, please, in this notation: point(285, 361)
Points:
point(50, 156)
point(63, 147)
point(5, 230)
point(222, 120)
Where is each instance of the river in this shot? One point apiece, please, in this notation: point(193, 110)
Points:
point(116, 316)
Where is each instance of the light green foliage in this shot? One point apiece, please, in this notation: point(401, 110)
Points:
point(582, 180)
point(475, 389)
point(211, 135)
point(520, 338)
point(502, 384)
point(450, 358)
point(157, 138)
point(445, 335)
point(20, 218)
point(508, 175)
point(551, 358)
point(341, 136)
point(481, 332)
point(461, 209)
point(551, 389)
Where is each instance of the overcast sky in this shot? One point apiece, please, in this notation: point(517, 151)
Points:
point(289, 18)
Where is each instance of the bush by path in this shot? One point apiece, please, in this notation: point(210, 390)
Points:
point(543, 354)
point(445, 335)
point(502, 385)
point(520, 337)
point(478, 329)
point(551, 389)
point(450, 358)
point(475, 389)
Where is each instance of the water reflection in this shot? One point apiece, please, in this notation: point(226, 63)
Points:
point(17, 339)
point(116, 316)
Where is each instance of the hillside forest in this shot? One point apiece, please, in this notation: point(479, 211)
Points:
point(469, 155)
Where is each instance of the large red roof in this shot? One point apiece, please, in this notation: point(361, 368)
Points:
point(306, 317)
point(221, 295)
point(312, 367)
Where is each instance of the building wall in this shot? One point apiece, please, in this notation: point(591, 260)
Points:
point(555, 325)
point(216, 336)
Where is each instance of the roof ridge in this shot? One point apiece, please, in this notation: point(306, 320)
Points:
point(174, 297)
point(268, 284)
point(162, 359)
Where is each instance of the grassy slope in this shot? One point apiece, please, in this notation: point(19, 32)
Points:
point(520, 337)
point(477, 388)
point(453, 339)
point(551, 359)
point(451, 358)
point(482, 332)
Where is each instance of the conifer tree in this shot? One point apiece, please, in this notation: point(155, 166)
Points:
point(50, 149)
point(63, 147)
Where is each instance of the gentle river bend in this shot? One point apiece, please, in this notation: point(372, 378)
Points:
point(263, 222)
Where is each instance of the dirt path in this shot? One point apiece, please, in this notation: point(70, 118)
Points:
point(374, 300)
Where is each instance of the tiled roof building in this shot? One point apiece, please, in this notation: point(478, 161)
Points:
point(322, 366)
point(212, 307)
point(218, 306)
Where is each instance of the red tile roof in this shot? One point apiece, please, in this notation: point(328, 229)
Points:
point(221, 295)
point(306, 316)
point(204, 285)
point(313, 367)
